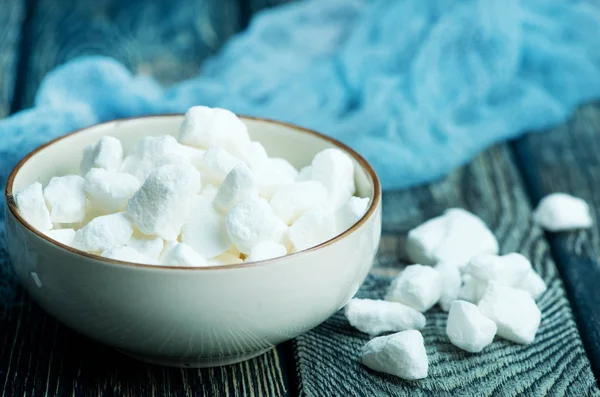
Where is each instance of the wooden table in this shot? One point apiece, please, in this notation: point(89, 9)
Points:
point(39, 356)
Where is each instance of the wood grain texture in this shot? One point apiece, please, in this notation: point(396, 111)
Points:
point(165, 38)
point(555, 364)
point(39, 356)
point(12, 14)
point(566, 159)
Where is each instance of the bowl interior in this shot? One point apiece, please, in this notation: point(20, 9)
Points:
point(63, 156)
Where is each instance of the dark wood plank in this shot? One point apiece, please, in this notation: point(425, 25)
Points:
point(12, 15)
point(38, 355)
point(555, 364)
point(165, 38)
point(566, 159)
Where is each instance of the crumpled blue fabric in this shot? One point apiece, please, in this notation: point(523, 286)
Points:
point(417, 87)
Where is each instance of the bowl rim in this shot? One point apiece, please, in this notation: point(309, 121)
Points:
point(373, 204)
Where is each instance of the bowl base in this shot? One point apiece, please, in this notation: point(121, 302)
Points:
point(196, 362)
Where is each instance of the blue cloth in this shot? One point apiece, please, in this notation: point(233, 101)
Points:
point(417, 87)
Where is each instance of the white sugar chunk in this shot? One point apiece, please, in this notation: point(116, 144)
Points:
point(472, 289)
point(305, 174)
point(251, 222)
point(192, 155)
point(401, 354)
point(417, 286)
point(151, 153)
point(151, 246)
point(205, 229)
point(559, 211)
point(375, 317)
point(66, 199)
point(507, 269)
point(467, 328)
point(109, 191)
point(184, 255)
point(533, 284)
point(350, 212)
point(266, 250)
point(63, 236)
point(514, 312)
point(161, 206)
point(227, 258)
point(256, 155)
point(128, 254)
point(334, 169)
point(168, 245)
point(456, 236)
point(237, 186)
point(312, 228)
point(451, 283)
point(107, 153)
point(273, 175)
point(295, 199)
point(103, 233)
point(32, 206)
point(205, 127)
point(217, 163)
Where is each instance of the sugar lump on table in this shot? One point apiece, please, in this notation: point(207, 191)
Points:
point(66, 199)
point(266, 250)
point(456, 236)
point(451, 283)
point(104, 233)
point(128, 254)
point(312, 228)
point(514, 311)
point(417, 286)
point(559, 211)
point(467, 328)
point(107, 154)
point(293, 200)
point(375, 317)
point(508, 269)
point(251, 222)
point(472, 289)
point(533, 284)
point(401, 354)
point(109, 191)
point(237, 186)
point(161, 206)
point(205, 230)
point(32, 206)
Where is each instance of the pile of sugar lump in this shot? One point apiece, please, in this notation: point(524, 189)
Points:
point(212, 197)
point(458, 267)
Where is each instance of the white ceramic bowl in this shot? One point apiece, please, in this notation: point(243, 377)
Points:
point(190, 317)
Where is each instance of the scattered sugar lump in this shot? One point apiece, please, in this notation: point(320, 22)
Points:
point(559, 212)
point(210, 197)
point(456, 236)
point(401, 354)
point(485, 294)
